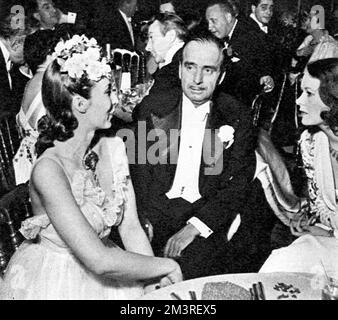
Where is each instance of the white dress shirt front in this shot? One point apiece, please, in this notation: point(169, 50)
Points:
point(186, 181)
point(128, 22)
point(171, 52)
point(226, 44)
point(260, 24)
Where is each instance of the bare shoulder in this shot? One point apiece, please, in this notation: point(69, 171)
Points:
point(47, 171)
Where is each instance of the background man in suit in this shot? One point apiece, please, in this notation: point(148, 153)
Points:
point(167, 35)
point(249, 61)
point(46, 15)
point(114, 25)
point(194, 210)
point(12, 82)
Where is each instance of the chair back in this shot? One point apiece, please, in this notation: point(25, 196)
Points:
point(256, 107)
point(9, 142)
point(14, 208)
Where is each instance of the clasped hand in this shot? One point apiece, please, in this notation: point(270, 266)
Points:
point(299, 228)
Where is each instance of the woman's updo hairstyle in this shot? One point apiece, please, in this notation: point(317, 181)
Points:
point(57, 96)
point(77, 66)
point(326, 70)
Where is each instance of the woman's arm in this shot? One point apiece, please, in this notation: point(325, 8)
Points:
point(130, 225)
point(68, 220)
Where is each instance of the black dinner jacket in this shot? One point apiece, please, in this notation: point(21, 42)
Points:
point(242, 77)
point(10, 100)
point(110, 27)
point(165, 79)
point(223, 194)
point(272, 44)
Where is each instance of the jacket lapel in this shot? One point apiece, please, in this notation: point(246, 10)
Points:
point(4, 82)
point(169, 127)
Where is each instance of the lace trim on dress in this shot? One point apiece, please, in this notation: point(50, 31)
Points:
point(84, 190)
point(31, 227)
point(317, 204)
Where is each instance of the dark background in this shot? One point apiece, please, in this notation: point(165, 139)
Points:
point(148, 7)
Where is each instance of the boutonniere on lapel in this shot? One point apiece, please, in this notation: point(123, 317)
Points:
point(226, 135)
point(230, 53)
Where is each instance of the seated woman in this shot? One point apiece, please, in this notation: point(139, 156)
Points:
point(315, 32)
point(37, 50)
point(79, 192)
point(318, 230)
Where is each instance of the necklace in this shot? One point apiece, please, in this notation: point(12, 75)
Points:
point(334, 153)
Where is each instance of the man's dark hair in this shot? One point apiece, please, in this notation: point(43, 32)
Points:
point(167, 1)
point(255, 2)
point(204, 38)
point(171, 21)
point(229, 6)
point(32, 7)
point(37, 46)
point(122, 2)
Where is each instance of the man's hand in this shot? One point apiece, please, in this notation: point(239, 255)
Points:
point(172, 278)
point(63, 18)
point(268, 82)
point(298, 230)
point(178, 242)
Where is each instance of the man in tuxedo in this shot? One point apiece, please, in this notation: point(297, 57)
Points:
point(12, 82)
point(260, 20)
point(249, 62)
point(192, 190)
point(114, 25)
point(167, 35)
point(45, 15)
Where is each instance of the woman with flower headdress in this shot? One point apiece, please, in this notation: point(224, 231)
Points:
point(79, 192)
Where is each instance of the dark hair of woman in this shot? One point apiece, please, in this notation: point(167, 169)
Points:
point(37, 46)
point(326, 70)
point(57, 96)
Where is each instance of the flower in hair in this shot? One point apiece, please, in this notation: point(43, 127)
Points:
point(80, 56)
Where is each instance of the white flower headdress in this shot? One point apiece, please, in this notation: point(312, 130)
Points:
point(80, 56)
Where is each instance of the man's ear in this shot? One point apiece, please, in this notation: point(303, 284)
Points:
point(171, 36)
point(253, 9)
point(228, 17)
point(36, 15)
point(80, 104)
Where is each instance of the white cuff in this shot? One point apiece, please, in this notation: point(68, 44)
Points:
point(335, 233)
point(71, 17)
point(204, 230)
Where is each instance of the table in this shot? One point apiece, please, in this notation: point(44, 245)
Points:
point(309, 289)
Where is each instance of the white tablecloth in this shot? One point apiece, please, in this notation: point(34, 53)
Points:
point(306, 283)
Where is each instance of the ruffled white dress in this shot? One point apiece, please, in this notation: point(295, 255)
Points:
point(48, 269)
point(25, 156)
